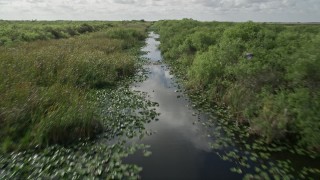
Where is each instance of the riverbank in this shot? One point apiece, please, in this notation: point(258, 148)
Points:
point(178, 141)
point(264, 74)
point(251, 96)
point(98, 67)
point(187, 132)
point(46, 85)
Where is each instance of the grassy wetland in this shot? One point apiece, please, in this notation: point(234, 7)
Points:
point(82, 100)
point(54, 91)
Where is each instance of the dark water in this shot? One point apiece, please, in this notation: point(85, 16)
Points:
point(179, 144)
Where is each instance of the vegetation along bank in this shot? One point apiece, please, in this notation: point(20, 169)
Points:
point(73, 83)
point(46, 85)
point(266, 75)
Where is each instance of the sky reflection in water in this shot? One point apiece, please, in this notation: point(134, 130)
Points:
point(179, 148)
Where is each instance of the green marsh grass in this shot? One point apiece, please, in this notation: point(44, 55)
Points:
point(45, 84)
point(27, 31)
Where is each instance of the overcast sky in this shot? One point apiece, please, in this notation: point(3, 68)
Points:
point(219, 10)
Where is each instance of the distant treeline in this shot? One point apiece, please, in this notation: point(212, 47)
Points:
point(17, 31)
point(268, 75)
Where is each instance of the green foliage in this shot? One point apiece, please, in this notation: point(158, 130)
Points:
point(44, 85)
point(131, 36)
point(20, 31)
point(84, 28)
point(305, 108)
point(65, 116)
point(272, 119)
point(276, 92)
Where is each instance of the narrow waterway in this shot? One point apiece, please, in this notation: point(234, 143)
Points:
point(179, 144)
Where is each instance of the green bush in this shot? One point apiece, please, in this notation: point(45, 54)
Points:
point(84, 28)
point(273, 120)
point(305, 106)
point(276, 92)
point(131, 36)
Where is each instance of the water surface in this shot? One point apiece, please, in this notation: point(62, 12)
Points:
point(179, 144)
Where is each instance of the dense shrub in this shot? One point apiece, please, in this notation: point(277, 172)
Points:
point(84, 28)
point(131, 36)
point(275, 92)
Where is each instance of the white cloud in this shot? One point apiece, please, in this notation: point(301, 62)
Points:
point(125, 1)
point(261, 5)
point(226, 10)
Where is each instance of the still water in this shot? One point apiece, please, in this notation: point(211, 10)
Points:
point(179, 143)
